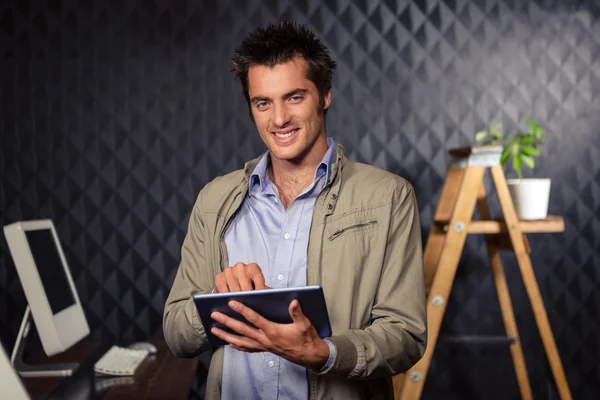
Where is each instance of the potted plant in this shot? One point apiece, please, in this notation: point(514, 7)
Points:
point(530, 196)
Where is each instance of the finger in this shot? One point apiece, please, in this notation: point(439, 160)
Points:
point(247, 350)
point(233, 346)
point(259, 281)
point(238, 326)
point(238, 342)
point(243, 279)
point(256, 276)
point(221, 284)
point(251, 316)
point(232, 280)
point(297, 315)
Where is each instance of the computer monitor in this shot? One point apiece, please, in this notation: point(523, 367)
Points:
point(11, 386)
point(48, 286)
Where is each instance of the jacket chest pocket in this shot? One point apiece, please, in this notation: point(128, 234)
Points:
point(356, 227)
point(352, 228)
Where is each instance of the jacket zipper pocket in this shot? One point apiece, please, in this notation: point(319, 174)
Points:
point(337, 233)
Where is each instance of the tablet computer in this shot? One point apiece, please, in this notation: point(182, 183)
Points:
point(272, 304)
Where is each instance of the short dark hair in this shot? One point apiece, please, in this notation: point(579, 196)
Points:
point(278, 43)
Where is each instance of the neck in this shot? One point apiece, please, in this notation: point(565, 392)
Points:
point(291, 177)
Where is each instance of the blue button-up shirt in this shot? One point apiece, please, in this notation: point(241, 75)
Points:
point(263, 232)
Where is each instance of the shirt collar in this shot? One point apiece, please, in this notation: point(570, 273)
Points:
point(259, 177)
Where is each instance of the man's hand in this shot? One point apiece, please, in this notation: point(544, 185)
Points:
point(297, 342)
point(240, 277)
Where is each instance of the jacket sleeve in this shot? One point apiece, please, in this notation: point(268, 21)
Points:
point(182, 328)
point(396, 338)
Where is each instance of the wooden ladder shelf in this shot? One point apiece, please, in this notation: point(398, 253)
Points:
point(463, 190)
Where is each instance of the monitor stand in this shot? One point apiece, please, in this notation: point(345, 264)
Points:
point(39, 370)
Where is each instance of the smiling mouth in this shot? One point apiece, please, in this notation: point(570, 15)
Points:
point(286, 134)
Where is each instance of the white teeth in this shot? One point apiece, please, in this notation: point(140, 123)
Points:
point(285, 135)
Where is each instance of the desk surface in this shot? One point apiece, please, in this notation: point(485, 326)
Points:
point(161, 376)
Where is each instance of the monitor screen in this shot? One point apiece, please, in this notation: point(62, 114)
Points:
point(49, 265)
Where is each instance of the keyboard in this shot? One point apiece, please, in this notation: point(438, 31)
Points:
point(120, 361)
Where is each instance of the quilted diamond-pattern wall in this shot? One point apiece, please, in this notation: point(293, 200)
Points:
point(115, 114)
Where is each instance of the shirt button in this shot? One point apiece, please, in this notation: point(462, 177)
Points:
point(275, 200)
point(287, 236)
point(280, 277)
point(271, 363)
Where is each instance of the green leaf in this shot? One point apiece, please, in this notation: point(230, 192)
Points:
point(534, 128)
point(480, 136)
point(528, 139)
point(514, 146)
point(529, 161)
point(541, 133)
point(517, 164)
point(505, 156)
point(530, 151)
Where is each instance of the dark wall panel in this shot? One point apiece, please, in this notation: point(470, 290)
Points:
point(115, 114)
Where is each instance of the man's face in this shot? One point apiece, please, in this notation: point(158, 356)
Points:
point(285, 107)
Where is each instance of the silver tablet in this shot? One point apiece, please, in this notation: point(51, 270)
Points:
point(272, 304)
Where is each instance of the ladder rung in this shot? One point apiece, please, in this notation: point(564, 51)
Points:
point(551, 224)
point(477, 339)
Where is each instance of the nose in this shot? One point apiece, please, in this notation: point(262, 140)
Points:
point(281, 117)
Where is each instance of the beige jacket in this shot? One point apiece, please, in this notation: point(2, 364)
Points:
point(364, 250)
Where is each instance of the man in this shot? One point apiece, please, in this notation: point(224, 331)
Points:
point(302, 214)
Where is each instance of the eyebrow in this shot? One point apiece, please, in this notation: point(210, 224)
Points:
point(287, 95)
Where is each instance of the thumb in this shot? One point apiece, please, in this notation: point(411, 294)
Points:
point(296, 312)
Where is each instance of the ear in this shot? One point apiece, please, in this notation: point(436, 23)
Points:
point(327, 100)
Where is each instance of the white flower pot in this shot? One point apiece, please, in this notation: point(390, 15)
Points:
point(530, 197)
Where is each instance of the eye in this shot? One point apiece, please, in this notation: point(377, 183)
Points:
point(262, 105)
point(296, 99)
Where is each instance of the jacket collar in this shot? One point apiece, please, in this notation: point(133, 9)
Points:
point(340, 157)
